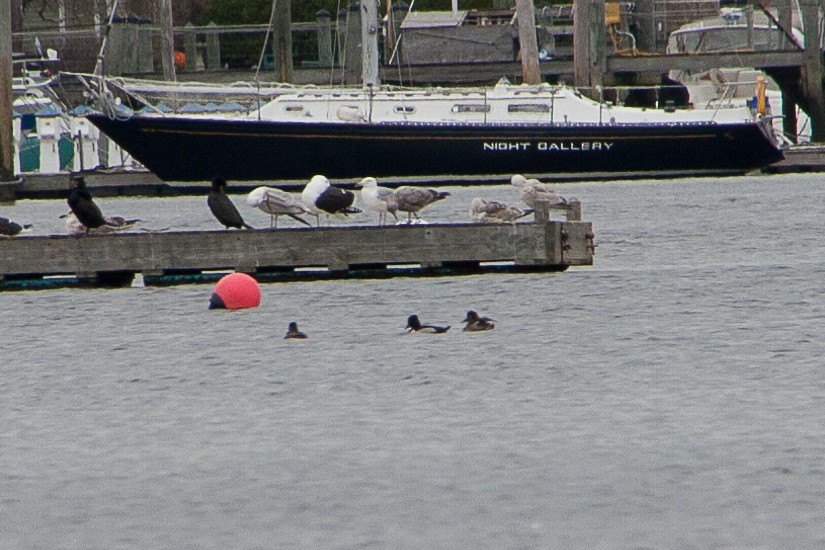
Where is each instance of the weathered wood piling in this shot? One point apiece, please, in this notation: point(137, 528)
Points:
point(296, 253)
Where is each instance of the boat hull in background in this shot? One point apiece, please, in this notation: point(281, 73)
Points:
point(178, 148)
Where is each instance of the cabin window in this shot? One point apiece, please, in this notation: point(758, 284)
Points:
point(404, 109)
point(528, 108)
point(471, 108)
point(294, 108)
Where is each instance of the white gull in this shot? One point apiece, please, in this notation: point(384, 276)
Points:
point(378, 199)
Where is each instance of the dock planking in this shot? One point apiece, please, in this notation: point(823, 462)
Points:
point(178, 257)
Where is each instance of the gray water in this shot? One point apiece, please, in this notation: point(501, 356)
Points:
point(670, 396)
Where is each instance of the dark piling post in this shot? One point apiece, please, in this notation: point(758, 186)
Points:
point(324, 21)
point(352, 50)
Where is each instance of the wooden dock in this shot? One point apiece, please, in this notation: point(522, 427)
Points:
point(290, 254)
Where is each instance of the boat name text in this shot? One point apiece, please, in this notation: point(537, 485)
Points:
point(548, 145)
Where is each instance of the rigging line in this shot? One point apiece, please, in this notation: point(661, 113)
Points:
point(266, 39)
point(343, 50)
point(395, 49)
point(336, 46)
point(398, 38)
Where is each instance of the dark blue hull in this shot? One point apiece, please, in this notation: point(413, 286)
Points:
point(197, 149)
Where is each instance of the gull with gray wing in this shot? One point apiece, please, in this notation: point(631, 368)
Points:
point(413, 199)
point(533, 192)
point(276, 202)
point(490, 211)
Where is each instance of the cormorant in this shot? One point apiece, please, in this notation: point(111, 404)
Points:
point(222, 207)
point(83, 207)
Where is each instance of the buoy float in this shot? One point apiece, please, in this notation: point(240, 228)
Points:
point(236, 291)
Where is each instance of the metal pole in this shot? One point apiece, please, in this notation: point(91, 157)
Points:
point(6, 135)
point(167, 41)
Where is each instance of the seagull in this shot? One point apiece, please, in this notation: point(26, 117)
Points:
point(222, 207)
point(378, 199)
point(412, 199)
point(276, 202)
point(114, 223)
point(293, 332)
point(9, 228)
point(82, 205)
point(414, 325)
point(320, 197)
point(533, 192)
point(483, 210)
point(476, 323)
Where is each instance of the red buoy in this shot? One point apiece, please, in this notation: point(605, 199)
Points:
point(236, 291)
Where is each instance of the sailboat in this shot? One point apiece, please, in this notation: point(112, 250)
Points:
point(390, 131)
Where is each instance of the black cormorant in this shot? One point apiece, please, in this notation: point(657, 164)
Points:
point(223, 208)
point(83, 207)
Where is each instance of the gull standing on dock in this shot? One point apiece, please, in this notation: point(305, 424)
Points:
point(475, 323)
point(414, 325)
point(378, 199)
point(275, 203)
point(9, 228)
point(222, 207)
point(413, 199)
point(489, 211)
point(320, 197)
point(83, 207)
point(532, 192)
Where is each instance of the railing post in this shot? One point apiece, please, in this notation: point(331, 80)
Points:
point(541, 212)
point(213, 48)
point(190, 45)
point(574, 210)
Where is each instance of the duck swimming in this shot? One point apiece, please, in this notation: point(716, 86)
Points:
point(293, 332)
point(415, 325)
point(476, 323)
